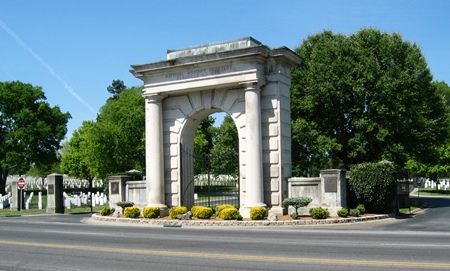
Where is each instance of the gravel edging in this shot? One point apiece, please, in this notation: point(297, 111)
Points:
point(179, 223)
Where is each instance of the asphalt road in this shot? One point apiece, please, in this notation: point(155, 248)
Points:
point(63, 242)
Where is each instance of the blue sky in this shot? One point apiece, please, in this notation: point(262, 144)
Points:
point(74, 49)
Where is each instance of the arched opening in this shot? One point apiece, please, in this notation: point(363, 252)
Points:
point(210, 162)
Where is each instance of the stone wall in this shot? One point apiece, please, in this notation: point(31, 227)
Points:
point(327, 191)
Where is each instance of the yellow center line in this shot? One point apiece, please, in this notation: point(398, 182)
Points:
point(229, 256)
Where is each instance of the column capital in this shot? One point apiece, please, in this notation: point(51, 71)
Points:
point(253, 85)
point(153, 98)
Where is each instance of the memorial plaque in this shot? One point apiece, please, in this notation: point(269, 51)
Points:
point(330, 184)
point(114, 188)
point(51, 189)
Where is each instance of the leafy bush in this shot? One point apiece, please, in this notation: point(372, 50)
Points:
point(106, 211)
point(297, 202)
point(151, 212)
point(229, 213)
point(132, 212)
point(319, 213)
point(354, 212)
point(219, 208)
point(124, 204)
point(342, 212)
point(374, 185)
point(201, 212)
point(361, 208)
point(177, 210)
point(257, 213)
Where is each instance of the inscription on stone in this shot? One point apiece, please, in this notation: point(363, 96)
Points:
point(51, 189)
point(330, 184)
point(114, 188)
point(199, 72)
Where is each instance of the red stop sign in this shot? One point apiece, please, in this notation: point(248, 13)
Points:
point(21, 183)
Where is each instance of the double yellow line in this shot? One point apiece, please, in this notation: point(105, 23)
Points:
point(229, 256)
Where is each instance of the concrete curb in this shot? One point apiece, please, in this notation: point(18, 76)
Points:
point(179, 223)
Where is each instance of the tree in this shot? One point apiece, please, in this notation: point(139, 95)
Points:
point(203, 143)
point(74, 160)
point(30, 129)
point(440, 166)
point(114, 143)
point(225, 152)
point(116, 88)
point(363, 98)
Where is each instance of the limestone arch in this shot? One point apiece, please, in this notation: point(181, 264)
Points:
point(202, 104)
point(243, 78)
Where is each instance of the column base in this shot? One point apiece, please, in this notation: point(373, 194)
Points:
point(163, 209)
point(245, 210)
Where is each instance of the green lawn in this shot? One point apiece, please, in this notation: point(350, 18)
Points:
point(431, 192)
point(414, 205)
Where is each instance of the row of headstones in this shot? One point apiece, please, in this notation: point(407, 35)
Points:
point(34, 183)
point(5, 200)
point(441, 184)
point(29, 199)
point(76, 200)
point(75, 183)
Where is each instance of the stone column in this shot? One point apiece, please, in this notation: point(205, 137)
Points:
point(253, 148)
point(55, 198)
point(15, 196)
point(154, 154)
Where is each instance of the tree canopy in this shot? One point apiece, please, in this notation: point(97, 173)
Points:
point(30, 129)
point(116, 88)
point(440, 166)
point(219, 144)
point(114, 143)
point(360, 98)
point(74, 161)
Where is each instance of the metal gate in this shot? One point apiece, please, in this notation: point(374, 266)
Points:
point(201, 186)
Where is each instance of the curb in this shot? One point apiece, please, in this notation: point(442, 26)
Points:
point(180, 223)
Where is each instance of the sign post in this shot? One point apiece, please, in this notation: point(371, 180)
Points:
point(21, 185)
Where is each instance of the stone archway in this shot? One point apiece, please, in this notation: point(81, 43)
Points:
point(243, 78)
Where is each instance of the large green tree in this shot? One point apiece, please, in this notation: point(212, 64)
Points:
point(225, 152)
point(441, 165)
point(114, 143)
point(116, 87)
point(30, 129)
point(74, 161)
point(360, 98)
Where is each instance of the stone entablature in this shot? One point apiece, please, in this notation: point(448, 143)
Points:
point(250, 83)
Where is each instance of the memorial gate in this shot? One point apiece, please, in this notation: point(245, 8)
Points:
point(243, 78)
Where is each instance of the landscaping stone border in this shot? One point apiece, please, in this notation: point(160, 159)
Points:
point(180, 223)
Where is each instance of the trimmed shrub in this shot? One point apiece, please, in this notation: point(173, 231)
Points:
point(106, 211)
point(201, 212)
point(342, 212)
point(177, 210)
point(151, 212)
point(219, 208)
point(354, 212)
point(229, 213)
point(374, 185)
point(257, 213)
point(361, 209)
point(319, 213)
point(297, 202)
point(132, 212)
